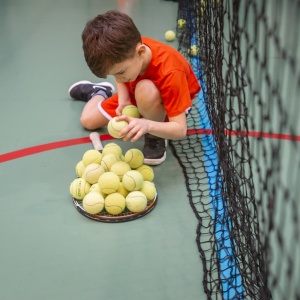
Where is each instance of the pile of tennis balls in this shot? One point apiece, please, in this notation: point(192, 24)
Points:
point(112, 182)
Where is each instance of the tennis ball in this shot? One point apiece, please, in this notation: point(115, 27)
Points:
point(149, 190)
point(120, 168)
point(122, 190)
point(181, 23)
point(95, 188)
point(131, 111)
point(134, 157)
point(79, 188)
point(92, 173)
point(147, 172)
point(115, 203)
point(114, 127)
point(108, 160)
point(112, 148)
point(193, 51)
point(91, 156)
point(132, 180)
point(136, 201)
point(93, 203)
point(170, 35)
point(108, 182)
point(79, 168)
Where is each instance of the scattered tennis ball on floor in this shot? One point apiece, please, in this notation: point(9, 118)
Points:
point(149, 190)
point(114, 127)
point(93, 203)
point(80, 166)
point(170, 35)
point(147, 172)
point(120, 168)
point(134, 157)
point(132, 180)
point(109, 183)
point(193, 51)
point(92, 173)
point(91, 156)
point(131, 111)
point(108, 160)
point(79, 188)
point(112, 148)
point(181, 23)
point(136, 201)
point(115, 203)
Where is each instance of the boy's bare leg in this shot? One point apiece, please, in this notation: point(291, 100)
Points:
point(91, 118)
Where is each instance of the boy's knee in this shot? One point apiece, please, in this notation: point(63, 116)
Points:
point(147, 90)
point(87, 123)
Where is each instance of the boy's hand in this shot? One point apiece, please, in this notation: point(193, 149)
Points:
point(120, 108)
point(136, 128)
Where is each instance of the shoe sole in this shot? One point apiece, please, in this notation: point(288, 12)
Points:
point(108, 84)
point(155, 161)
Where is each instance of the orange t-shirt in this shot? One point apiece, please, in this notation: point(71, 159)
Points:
point(173, 76)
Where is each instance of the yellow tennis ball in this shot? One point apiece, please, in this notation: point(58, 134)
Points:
point(114, 127)
point(181, 23)
point(131, 111)
point(170, 35)
point(134, 157)
point(147, 172)
point(120, 168)
point(149, 190)
point(91, 156)
point(95, 188)
point(115, 203)
point(109, 183)
point(136, 201)
point(122, 190)
point(112, 148)
point(92, 173)
point(108, 160)
point(79, 188)
point(132, 180)
point(93, 203)
point(79, 168)
point(193, 51)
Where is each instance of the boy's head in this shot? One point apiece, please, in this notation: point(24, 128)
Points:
point(109, 39)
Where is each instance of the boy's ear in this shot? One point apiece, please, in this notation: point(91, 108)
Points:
point(140, 49)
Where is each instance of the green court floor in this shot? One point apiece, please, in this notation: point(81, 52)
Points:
point(48, 250)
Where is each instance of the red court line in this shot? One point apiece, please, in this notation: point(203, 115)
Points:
point(46, 147)
point(84, 140)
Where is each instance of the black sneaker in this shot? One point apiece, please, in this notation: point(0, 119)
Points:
point(84, 90)
point(154, 150)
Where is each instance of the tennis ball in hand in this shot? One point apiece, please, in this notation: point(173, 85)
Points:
point(93, 203)
point(170, 35)
point(131, 111)
point(91, 156)
point(112, 148)
point(136, 201)
point(109, 183)
point(92, 173)
point(79, 187)
point(149, 190)
point(114, 127)
point(132, 180)
point(134, 157)
point(115, 203)
point(147, 172)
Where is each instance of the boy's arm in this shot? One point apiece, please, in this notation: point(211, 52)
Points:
point(123, 97)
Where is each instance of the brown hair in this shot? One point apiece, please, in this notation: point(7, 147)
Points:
point(108, 39)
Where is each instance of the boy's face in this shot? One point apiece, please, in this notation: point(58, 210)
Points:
point(129, 69)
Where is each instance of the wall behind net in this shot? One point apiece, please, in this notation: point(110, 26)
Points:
point(247, 60)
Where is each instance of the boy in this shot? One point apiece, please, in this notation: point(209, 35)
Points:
point(149, 74)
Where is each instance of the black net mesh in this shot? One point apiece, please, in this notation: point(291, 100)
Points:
point(241, 155)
